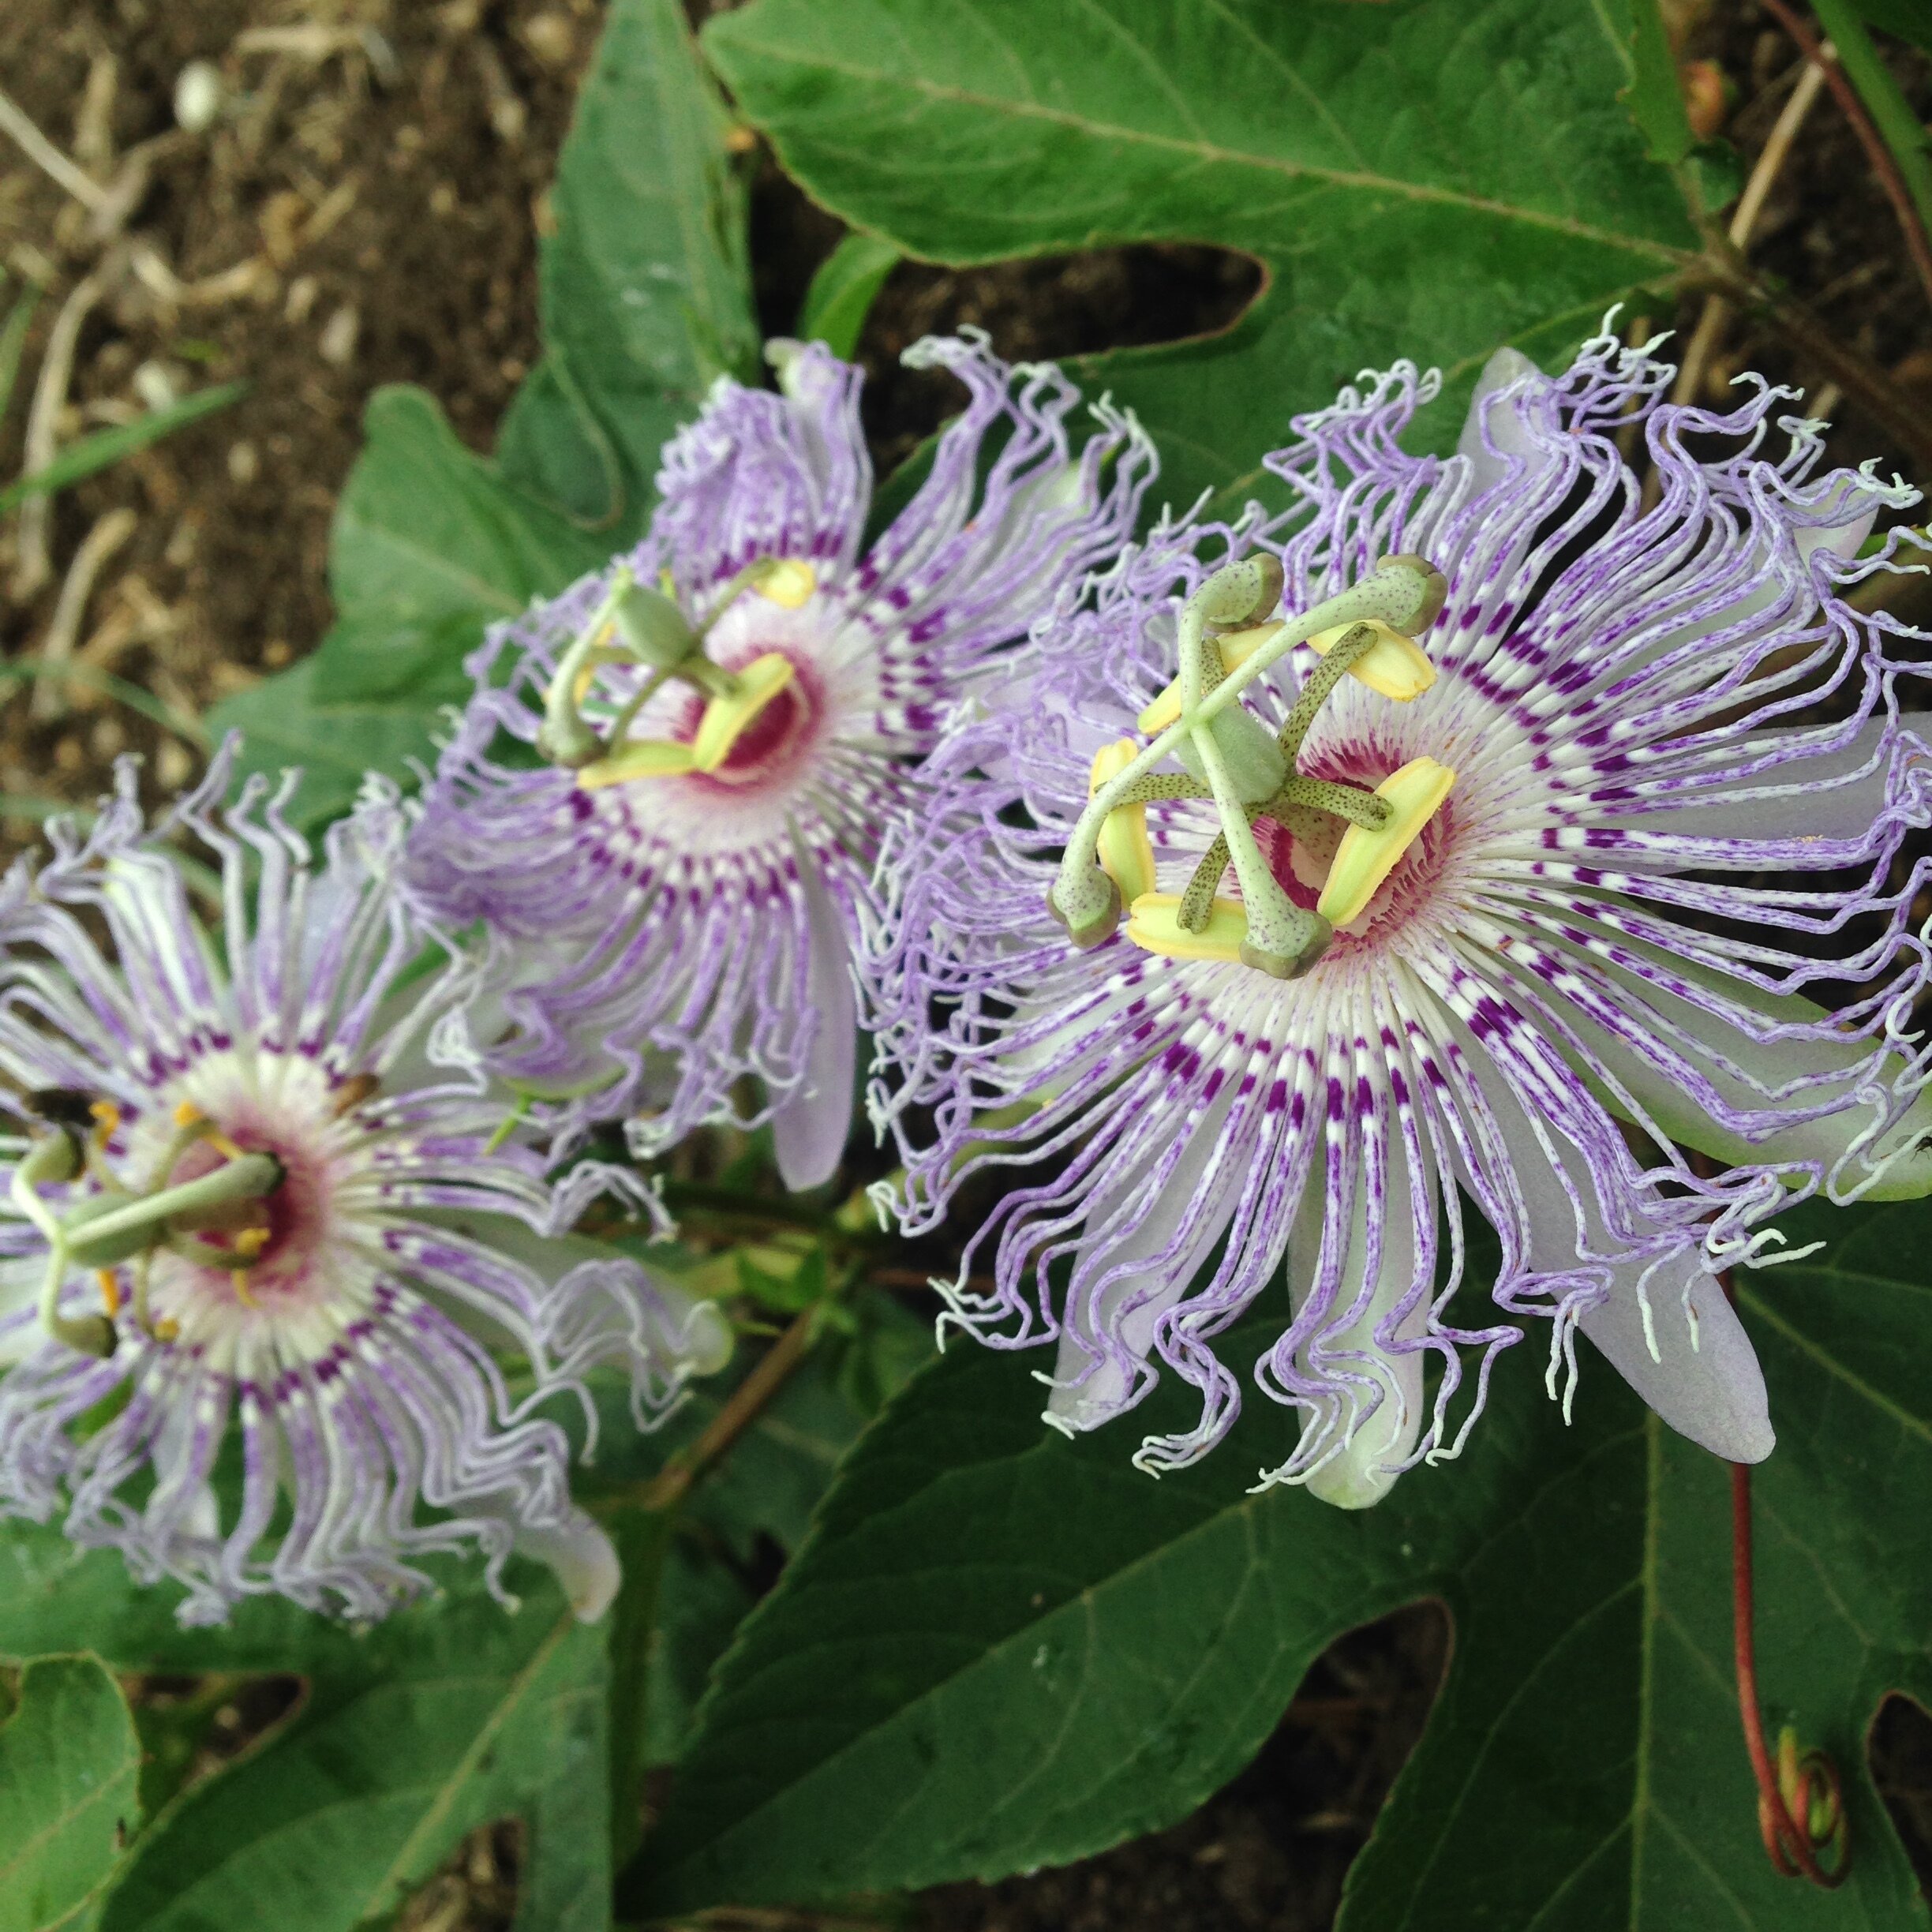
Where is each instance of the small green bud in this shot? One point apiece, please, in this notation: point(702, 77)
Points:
point(652, 627)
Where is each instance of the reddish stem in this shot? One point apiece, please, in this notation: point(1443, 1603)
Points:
point(1787, 1838)
point(1880, 156)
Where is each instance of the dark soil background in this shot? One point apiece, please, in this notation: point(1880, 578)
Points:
point(364, 209)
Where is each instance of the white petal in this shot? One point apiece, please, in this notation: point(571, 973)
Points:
point(1713, 1392)
point(1505, 427)
point(1099, 1397)
point(1741, 1070)
point(1363, 1471)
point(809, 1127)
point(1707, 1386)
point(583, 1559)
point(1834, 795)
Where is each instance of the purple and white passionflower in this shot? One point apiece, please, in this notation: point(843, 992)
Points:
point(267, 1256)
point(1498, 864)
point(731, 712)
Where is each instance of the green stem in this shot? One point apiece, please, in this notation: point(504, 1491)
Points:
point(1346, 649)
point(643, 1541)
point(1890, 110)
point(1197, 901)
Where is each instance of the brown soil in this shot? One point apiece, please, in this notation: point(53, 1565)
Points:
point(364, 211)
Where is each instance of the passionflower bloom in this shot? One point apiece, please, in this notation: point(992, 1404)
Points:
point(267, 1250)
point(723, 720)
point(1476, 835)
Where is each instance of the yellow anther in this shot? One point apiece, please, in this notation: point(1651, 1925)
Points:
point(1126, 856)
point(237, 1280)
point(106, 1120)
point(186, 1114)
point(1154, 925)
point(1364, 859)
point(110, 1290)
point(726, 719)
point(251, 1242)
point(1161, 712)
point(1238, 646)
point(788, 583)
point(166, 1329)
point(1394, 665)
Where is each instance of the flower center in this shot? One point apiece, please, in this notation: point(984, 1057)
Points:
point(768, 743)
point(259, 1246)
point(1253, 777)
point(739, 728)
point(205, 1192)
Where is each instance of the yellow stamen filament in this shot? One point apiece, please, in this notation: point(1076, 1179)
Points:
point(237, 1280)
point(1125, 854)
point(1154, 925)
point(1364, 859)
point(109, 1290)
point(788, 583)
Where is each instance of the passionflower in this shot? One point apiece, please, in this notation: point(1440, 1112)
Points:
point(666, 796)
point(281, 1308)
point(1472, 834)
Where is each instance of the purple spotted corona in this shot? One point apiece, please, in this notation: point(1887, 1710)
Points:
point(267, 1271)
point(1473, 832)
point(723, 720)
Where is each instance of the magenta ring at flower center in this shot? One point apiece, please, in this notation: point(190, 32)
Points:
point(774, 743)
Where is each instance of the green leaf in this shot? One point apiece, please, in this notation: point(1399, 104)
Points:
point(645, 289)
point(285, 722)
point(105, 447)
point(550, 442)
point(1000, 1649)
point(430, 545)
point(645, 299)
point(1845, 1615)
point(1910, 19)
point(1655, 96)
point(843, 291)
point(69, 1763)
point(452, 1714)
point(1418, 179)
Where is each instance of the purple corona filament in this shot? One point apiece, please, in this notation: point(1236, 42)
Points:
point(681, 888)
point(324, 1269)
point(1654, 899)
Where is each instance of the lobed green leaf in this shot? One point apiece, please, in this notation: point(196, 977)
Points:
point(1417, 180)
point(1000, 1650)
